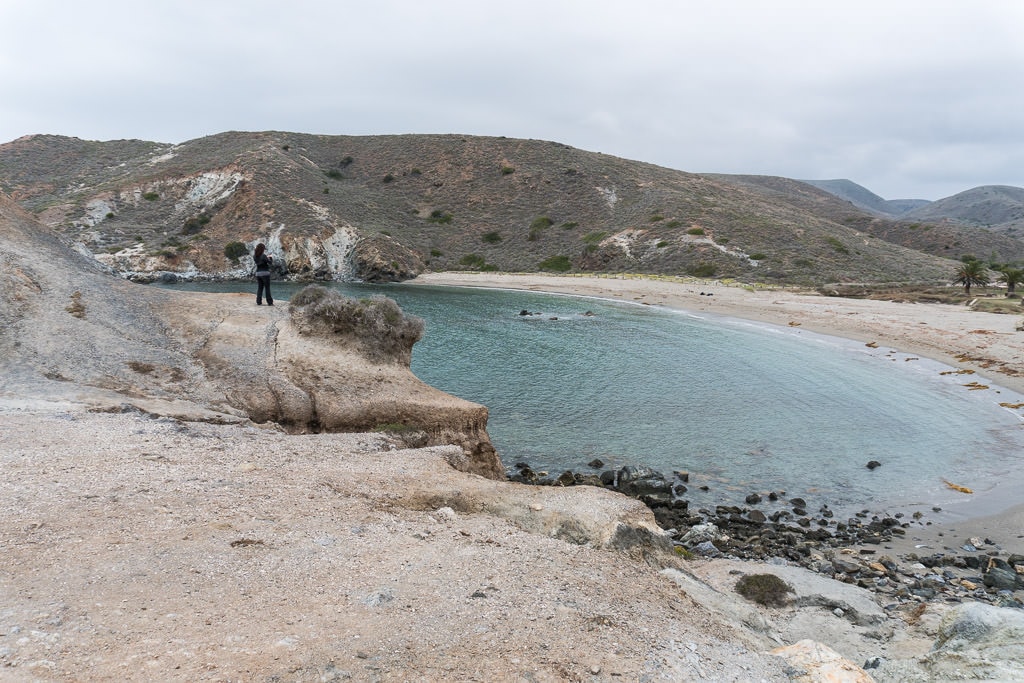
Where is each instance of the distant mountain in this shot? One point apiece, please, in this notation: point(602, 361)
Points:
point(866, 199)
point(941, 237)
point(996, 207)
point(389, 207)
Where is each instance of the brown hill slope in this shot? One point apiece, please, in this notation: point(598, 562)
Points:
point(388, 207)
point(997, 207)
point(935, 235)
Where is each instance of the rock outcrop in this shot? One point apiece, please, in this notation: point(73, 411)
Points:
point(73, 331)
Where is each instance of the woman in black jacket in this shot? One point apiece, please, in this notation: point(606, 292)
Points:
point(263, 261)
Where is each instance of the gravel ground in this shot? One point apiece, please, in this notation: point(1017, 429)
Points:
point(137, 548)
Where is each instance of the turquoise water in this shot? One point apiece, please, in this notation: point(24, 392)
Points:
point(742, 407)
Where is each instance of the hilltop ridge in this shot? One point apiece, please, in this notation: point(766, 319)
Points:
point(389, 207)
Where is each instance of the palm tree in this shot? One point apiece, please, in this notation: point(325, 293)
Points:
point(1012, 277)
point(971, 273)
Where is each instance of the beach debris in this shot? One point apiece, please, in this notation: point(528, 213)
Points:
point(961, 371)
point(793, 323)
point(1012, 406)
point(872, 464)
point(975, 386)
point(957, 487)
point(872, 345)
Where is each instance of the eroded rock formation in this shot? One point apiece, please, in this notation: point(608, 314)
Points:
point(74, 332)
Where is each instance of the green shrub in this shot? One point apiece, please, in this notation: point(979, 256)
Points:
point(415, 171)
point(758, 256)
point(507, 170)
point(439, 216)
point(346, 161)
point(673, 224)
point(695, 231)
point(334, 174)
point(151, 196)
point(380, 327)
point(195, 224)
point(436, 252)
point(559, 264)
point(764, 589)
point(539, 225)
point(657, 218)
point(702, 270)
point(327, 190)
point(569, 225)
point(388, 178)
point(493, 237)
point(837, 245)
point(662, 244)
point(592, 240)
point(541, 222)
point(110, 214)
point(473, 261)
point(235, 250)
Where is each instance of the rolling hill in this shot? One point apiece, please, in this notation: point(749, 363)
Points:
point(389, 207)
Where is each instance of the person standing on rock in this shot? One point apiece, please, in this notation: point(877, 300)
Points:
point(263, 261)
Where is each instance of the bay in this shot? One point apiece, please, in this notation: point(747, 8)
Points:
point(741, 407)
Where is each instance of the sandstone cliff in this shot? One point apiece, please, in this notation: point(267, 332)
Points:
point(72, 331)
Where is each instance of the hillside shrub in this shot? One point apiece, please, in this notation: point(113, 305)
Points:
point(673, 224)
point(493, 237)
point(837, 245)
point(702, 270)
point(592, 240)
point(656, 218)
point(235, 251)
point(334, 174)
point(758, 256)
point(764, 589)
point(569, 225)
point(436, 252)
point(440, 217)
point(538, 226)
point(388, 178)
point(507, 170)
point(195, 224)
point(662, 244)
point(151, 196)
point(558, 264)
point(695, 231)
point(377, 324)
point(473, 261)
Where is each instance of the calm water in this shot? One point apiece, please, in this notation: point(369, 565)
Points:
point(742, 407)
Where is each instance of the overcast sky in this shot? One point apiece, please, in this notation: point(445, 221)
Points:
point(912, 99)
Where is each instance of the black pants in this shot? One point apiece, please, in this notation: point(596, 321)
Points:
point(263, 285)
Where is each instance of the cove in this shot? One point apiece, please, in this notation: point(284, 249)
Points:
point(742, 407)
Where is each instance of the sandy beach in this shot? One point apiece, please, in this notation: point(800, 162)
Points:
point(986, 343)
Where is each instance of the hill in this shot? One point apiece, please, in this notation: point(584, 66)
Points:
point(867, 200)
point(389, 207)
point(939, 237)
point(999, 208)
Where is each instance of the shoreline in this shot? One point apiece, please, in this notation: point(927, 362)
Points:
point(986, 344)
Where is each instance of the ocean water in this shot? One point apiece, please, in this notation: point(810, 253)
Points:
point(742, 407)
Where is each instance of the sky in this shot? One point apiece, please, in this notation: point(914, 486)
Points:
point(910, 98)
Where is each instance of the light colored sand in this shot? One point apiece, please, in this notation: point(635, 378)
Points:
point(986, 343)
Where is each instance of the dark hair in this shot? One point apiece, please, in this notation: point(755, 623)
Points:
point(260, 248)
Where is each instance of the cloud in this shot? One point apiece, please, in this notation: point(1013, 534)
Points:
point(914, 96)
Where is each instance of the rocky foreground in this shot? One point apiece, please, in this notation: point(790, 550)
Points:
point(196, 489)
